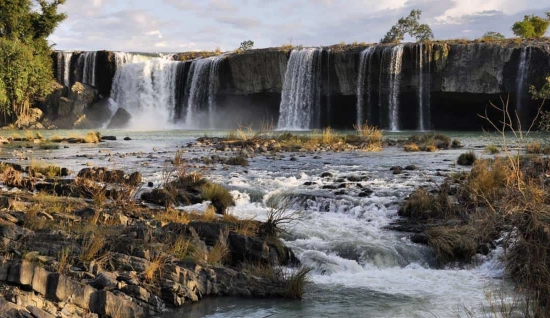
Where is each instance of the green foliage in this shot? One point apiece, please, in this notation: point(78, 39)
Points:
point(492, 36)
point(25, 63)
point(532, 26)
point(544, 94)
point(410, 25)
point(246, 45)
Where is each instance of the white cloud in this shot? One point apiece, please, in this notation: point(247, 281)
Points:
point(155, 32)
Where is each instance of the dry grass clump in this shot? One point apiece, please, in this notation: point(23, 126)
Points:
point(216, 255)
point(492, 149)
point(49, 171)
point(411, 147)
point(537, 148)
point(92, 137)
point(292, 281)
point(371, 137)
point(424, 205)
point(219, 196)
point(92, 244)
point(12, 177)
point(431, 142)
point(181, 248)
point(453, 243)
point(171, 215)
point(154, 269)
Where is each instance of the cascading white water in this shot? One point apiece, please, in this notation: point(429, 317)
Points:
point(123, 58)
point(213, 89)
point(395, 85)
point(364, 75)
point(300, 101)
point(420, 92)
point(146, 89)
point(88, 67)
point(522, 73)
point(64, 67)
point(201, 88)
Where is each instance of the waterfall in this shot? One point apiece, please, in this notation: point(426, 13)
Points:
point(394, 85)
point(364, 74)
point(64, 67)
point(213, 89)
point(201, 89)
point(420, 92)
point(522, 74)
point(300, 100)
point(123, 58)
point(88, 67)
point(147, 89)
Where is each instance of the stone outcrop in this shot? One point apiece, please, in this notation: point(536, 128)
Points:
point(121, 119)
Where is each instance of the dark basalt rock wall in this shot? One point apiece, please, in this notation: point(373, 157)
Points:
point(462, 79)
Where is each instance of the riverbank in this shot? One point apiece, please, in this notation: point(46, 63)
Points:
point(85, 243)
point(347, 198)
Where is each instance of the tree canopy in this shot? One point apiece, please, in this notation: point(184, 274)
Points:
point(491, 35)
point(410, 25)
point(532, 26)
point(25, 63)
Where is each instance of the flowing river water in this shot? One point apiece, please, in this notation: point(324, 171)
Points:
point(360, 268)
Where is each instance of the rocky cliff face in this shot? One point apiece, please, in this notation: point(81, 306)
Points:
point(453, 82)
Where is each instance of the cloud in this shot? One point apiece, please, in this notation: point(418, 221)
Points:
point(179, 25)
point(240, 22)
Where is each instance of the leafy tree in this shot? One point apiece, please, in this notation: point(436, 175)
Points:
point(532, 26)
point(246, 45)
point(410, 25)
point(491, 36)
point(25, 62)
point(543, 94)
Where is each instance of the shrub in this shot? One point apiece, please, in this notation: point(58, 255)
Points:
point(467, 158)
point(246, 45)
point(492, 36)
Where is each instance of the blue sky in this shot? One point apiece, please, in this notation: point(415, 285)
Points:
point(187, 25)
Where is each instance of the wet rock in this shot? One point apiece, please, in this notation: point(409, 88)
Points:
point(120, 120)
point(327, 175)
point(108, 137)
point(411, 167)
point(127, 138)
point(365, 193)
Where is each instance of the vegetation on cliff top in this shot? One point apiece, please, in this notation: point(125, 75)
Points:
point(532, 26)
point(410, 25)
point(25, 62)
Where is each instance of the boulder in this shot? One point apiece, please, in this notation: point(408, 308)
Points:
point(121, 119)
point(82, 96)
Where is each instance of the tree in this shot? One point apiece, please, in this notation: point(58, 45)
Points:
point(491, 36)
point(410, 25)
point(246, 45)
point(25, 62)
point(532, 26)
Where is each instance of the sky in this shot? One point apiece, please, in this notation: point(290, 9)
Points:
point(194, 25)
